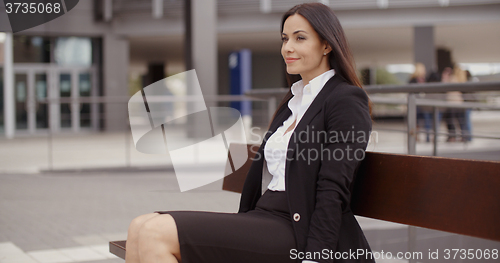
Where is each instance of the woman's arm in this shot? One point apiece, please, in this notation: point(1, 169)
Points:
point(348, 124)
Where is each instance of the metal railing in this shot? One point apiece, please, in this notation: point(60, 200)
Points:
point(264, 102)
point(411, 101)
point(262, 112)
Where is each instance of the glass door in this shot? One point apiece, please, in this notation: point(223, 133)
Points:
point(65, 93)
point(30, 93)
point(42, 107)
point(21, 100)
point(85, 90)
point(55, 97)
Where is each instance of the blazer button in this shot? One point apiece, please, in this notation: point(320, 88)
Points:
point(296, 217)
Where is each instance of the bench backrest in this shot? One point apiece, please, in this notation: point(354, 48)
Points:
point(454, 195)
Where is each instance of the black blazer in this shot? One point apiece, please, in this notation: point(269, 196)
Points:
point(324, 153)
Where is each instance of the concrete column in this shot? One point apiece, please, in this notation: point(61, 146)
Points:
point(423, 47)
point(8, 87)
point(201, 42)
point(115, 74)
point(201, 54)
point(373, 75)
point(265, 6)
point(157, 8)
point(108, 10)
point(424, 52)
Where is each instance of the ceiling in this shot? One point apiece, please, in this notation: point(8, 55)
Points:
point(371, 46)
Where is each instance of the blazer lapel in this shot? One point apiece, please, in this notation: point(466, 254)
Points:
point(278, 120)
point(317, 103)
point(314, 108)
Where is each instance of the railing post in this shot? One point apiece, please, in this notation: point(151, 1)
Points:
point(412, 141)
point(271, 107)
point(8, 87)
point(50, 151)
point(412, 123)
point(128, 130)
point(436, 128)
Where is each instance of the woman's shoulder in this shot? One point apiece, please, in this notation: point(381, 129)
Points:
point(348, 105)
point(345, 91)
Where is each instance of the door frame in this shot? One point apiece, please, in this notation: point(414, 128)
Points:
point(53, 72)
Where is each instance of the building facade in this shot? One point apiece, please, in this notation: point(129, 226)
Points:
point(58, 72)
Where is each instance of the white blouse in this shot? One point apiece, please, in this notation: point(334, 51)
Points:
point(276, 146)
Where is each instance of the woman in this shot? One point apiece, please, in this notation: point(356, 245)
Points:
point(424, 113)
point(419, 74)
point(453, 115)
point(314, 145)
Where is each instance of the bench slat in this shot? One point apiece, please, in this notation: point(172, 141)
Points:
point(454, 195)
point(118, 248)
point(234, 182)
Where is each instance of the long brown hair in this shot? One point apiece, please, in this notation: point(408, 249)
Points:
point(328, 27)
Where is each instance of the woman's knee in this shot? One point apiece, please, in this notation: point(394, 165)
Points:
point(159, 235)
point(137, 222)
point(160, 229)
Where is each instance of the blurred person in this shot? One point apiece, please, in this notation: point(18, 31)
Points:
point(454, 117)
point(433, 78)
point(469, 96)
point(304, 208)
point(424, 113)
point(419, 75)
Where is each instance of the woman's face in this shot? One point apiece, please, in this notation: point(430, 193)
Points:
point(302, 48)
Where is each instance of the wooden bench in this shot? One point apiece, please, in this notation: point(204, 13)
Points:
point(447, 194)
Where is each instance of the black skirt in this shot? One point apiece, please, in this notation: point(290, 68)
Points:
point(261, 235)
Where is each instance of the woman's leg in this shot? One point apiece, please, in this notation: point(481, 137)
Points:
point(427, 124)
point(449, 119)
point(132, 252)
point(464, 127)
point(158, 240)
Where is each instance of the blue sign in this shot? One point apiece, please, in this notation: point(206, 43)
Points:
point(240, 74)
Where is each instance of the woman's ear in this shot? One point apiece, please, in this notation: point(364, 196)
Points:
point(327, 47)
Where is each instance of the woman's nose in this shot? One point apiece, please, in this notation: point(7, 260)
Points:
point(288, 47)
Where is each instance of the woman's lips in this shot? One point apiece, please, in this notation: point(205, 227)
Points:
point(290, 60)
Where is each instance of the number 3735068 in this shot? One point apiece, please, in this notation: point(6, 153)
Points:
point(33, 8)
point(471, 253)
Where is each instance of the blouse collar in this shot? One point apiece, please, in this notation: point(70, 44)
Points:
point(314, 86)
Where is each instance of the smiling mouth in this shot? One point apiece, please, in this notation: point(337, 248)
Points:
point(290, 60)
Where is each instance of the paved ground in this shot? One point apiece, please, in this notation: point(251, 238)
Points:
point(70, 215)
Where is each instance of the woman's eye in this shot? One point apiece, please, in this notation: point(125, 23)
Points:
point(283, 39)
